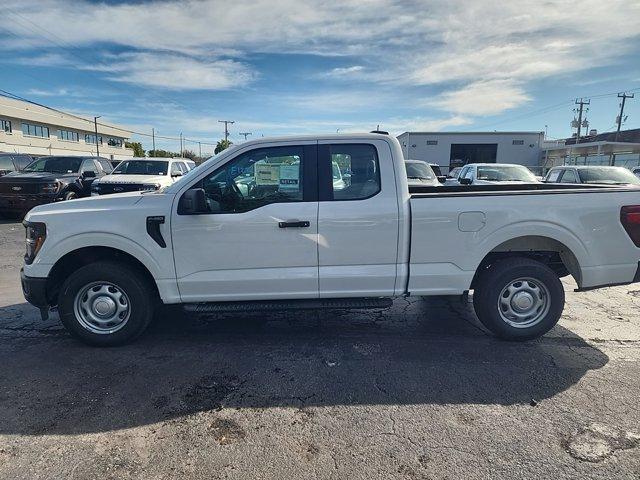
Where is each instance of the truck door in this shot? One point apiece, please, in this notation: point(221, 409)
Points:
point(259, 240)
point(358, 219)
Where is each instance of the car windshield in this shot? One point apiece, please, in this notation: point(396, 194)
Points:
point(453, 173)
point(142, 167)
point(506, 173)
point(55, 165)
point(610, 175)
point(419, 170)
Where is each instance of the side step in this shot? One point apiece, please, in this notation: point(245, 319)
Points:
point(304, 304)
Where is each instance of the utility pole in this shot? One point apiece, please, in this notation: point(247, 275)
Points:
point(245, 135)
point(180, 144)
point(95, 127)
point(153, 140)
point(200, 149)
point(226, 127)
point(624, 97)
point(582, 103)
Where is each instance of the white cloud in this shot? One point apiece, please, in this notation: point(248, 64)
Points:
point(345, 72)
point(173, 71)
point(488, 97)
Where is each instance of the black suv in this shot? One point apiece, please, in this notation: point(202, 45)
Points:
point(13, 162)
point(50, 179)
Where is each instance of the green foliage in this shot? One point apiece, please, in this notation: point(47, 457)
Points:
point(138, 151)
point(163, 153)
point(222, 145)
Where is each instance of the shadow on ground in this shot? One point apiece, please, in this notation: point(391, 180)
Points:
point(418, 352)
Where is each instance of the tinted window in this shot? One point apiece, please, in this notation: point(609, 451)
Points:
point(569, 176)
point(553, 175)
point(142, 167)
point(106, 165)
point(89, 166)
point(254, 179)
point(611, 175)
point(35, 130)
point(358, 171)
point(55, 165)
point(419, 170)
point(6, 164)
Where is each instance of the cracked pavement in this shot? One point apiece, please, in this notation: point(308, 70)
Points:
point(417, 391)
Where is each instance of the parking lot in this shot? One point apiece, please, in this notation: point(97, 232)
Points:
point(418, 391)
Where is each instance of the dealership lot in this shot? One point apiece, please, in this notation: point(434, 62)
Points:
point(418, 391)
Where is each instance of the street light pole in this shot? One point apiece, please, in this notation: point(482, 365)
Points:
point(95, 126)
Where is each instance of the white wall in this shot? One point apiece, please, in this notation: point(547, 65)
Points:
point(528, 154)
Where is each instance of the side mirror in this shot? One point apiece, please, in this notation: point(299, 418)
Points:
point(88, 174)
point(442, 178)
point(464, 181)
point(193, 202)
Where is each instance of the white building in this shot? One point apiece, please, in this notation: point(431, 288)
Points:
point(29, 128)
point(451, 149)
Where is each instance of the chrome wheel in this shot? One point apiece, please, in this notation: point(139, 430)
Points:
point(524, 302)
point(102, 307)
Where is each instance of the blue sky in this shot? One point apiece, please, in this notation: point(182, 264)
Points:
point(297, 66)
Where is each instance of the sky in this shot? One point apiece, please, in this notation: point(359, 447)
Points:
point(296, 66)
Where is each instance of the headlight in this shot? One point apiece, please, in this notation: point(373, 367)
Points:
point(150, 186)
point(49, 188)
point(36, 233)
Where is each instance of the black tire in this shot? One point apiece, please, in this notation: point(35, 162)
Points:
point(136, 288)
point(70, 195)
point(495, 287)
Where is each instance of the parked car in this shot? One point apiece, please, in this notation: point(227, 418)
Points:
point(438, 171)
point(591, 174)
point(140, 174)
point(50, 179)
point(420, 173)
point(106, 262)
point(490, 173)
point(13, 162)
point(636, 171)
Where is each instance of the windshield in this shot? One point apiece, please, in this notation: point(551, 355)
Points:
point(506, 173)
point(419, 170)
point(611, 175)
point(55, 165)
point(142, 167)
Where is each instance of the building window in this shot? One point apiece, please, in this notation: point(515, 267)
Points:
point(91, 138)
point(68, 135)
point(518, 142)
point(115, 142)
point(5, 126)
point(432, 142)
point(35, 130)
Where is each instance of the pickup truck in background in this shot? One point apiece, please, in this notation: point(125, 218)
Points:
point(296, 241)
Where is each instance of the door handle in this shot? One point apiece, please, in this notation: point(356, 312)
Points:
point(294, 224)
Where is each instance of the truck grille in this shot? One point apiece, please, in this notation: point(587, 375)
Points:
point(107, 188)
point(19, 188)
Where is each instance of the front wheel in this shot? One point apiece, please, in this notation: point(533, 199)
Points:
point(70, 195)
point(518, 299)
point(106, 304)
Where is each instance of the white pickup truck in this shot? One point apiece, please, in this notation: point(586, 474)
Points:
point(262, 226)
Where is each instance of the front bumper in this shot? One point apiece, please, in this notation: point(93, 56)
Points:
point(24, 203)
point(34, 290)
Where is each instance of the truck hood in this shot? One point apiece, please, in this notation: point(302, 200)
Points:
point(99, 205)
point(123, 178)
point(36, 177)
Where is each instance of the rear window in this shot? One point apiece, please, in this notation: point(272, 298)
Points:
point(419, 170)
point(508, 173)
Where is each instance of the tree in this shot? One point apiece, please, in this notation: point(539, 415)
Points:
point(162, 153)
point(138, 151)
point(191, 155)
point(222, 145)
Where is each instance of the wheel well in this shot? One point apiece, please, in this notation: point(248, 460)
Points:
point(552, 253)
point(76, 259)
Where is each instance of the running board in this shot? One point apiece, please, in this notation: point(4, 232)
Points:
point(272, 305)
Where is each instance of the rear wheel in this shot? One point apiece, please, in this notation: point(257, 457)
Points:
point(106, 304)
point(518, 299)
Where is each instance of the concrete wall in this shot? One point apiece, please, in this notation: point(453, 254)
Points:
point(414, 146)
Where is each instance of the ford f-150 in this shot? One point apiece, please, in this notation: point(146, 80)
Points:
point(263, 226)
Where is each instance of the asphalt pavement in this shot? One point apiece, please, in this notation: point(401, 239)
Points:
point(418, 391)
